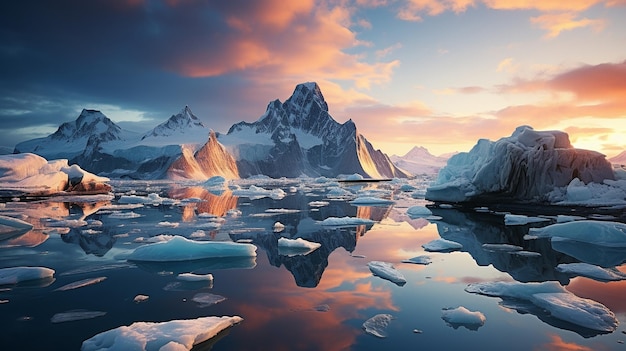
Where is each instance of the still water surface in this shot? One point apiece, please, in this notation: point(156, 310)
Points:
point(317, 301)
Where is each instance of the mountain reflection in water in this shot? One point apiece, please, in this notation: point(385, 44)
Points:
point(313, 301)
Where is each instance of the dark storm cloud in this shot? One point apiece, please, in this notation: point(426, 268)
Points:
point(56, 55)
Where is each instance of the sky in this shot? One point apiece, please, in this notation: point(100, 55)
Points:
point(434, 73)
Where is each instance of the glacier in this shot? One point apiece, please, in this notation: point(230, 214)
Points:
point(526, 167)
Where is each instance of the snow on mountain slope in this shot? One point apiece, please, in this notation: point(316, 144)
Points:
point(299, 137)
point(210, 160)
point(181, 128)
point(419, 161)
point(88, 132)
point(526, 167)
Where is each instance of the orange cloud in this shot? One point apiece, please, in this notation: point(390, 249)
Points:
point(555, 23)
point(558, 344)
point(296, 40)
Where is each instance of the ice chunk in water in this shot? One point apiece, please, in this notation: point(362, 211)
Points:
point(15, 275)
point(387, 271)
point(183, 249)
point(461, 316)
point(75, 315)
point(378, 324)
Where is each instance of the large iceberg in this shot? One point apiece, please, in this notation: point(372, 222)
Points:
point(171, 335)
point(525, 167)
point(30, 174)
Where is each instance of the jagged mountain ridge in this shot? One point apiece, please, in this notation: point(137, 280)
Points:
point(294, 138)
point(301, 134)
point(419, 161)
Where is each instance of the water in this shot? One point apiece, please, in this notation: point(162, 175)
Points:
point(314, 302)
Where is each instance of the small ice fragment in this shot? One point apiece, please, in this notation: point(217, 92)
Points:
point(461, 316)
point(75, 315)
point(513, 219)
point(425, 260)
point(319, 203)
point(442, 245)
point(591, 271)
point(298, 243)
point(377, 325)
point(345, 221)
point(387, 271)
point(370, 200)
point(80, 284)
point(418, 211)
point(192, 277)
point(502, 247)
point(173, 335)
point(207, 299)
point(278, 227)
point(140, 298)
point(168, 224)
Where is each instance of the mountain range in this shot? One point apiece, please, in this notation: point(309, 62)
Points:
point(292, 138)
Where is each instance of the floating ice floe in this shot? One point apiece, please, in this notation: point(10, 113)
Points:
point(192, 277)
point(568, 218)
point(151, 198)
point(387, 271)
point(278, 227)
point(370, 200)
point(298, 243)
point(172, 335)
point(346, 221)
point(167, 224)
point(75, 315)
point(207, 299)
point(461, 316)
point(81, 283)
point(377, 325)
point(418, 211)
point(319, 203)
point(182, 249)
point(425, 260)
point(513, 219)
point(11, 227)
point(601, 233)
point(15, 275)
point(553, 298)
point(442, 245)
point(254, 192)
point(141, 298)
point(124, 215)
point(502, 247)
point(591, 271)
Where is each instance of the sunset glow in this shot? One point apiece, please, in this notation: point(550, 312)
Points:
point(438, 74)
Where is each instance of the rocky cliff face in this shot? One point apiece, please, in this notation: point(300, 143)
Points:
point(210, 160)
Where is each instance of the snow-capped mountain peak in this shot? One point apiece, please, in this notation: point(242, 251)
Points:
point(181, 123)
point(88, 123)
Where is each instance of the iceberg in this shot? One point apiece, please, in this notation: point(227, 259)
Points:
point(387, 271)
point(513, 219)
point(600, 233)
point(419, 211)
point(371, 201)
point(591, 271)
point(80, 284)
point(461, 316)
point(207, 299)
point(442, 245)
point(192, 277)
point(16, 275)
point(553, 298)
point(11, 227)
point(525, 167)
point(171, 335)
point(378, 324)
point(183, 249)
point(30, 174)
